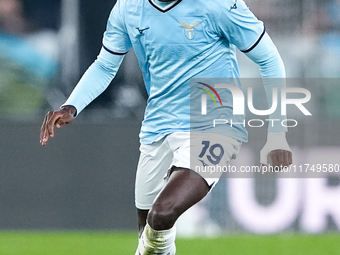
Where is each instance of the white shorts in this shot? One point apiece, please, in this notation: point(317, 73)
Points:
point(183, 150)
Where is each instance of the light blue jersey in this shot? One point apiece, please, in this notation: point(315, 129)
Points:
point(176, 42)
point(173, 43)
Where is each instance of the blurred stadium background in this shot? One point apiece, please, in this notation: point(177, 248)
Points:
point(84, 179)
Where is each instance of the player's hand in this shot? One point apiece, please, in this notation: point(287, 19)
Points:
point(56, 118)
point(277, 149)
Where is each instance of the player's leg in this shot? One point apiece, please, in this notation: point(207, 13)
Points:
point(185, 187)
point(182, 191)
point(154, 163)
point(141, 216)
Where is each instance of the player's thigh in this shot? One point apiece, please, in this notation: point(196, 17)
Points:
point(154, 162)
point(179, 194)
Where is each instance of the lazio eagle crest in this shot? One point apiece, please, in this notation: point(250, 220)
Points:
point(189, 29)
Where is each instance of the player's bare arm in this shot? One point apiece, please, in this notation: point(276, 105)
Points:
point(94, 81)
point(56, 118)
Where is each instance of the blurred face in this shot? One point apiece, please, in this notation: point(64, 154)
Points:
point(11, 16)
point(10, 8)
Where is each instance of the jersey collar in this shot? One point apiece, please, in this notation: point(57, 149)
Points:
point(162, 8)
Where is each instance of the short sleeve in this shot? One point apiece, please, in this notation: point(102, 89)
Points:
point(239, 25)
point(116, 39)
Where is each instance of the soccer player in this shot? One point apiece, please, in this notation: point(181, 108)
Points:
point(176, 40)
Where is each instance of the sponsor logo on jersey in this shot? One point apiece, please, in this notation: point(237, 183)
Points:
point(189, 29)
point(141, 30)
point(233, 7)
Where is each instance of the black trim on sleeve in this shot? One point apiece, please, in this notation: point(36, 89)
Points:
point(256, 43)
point(113, 52)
